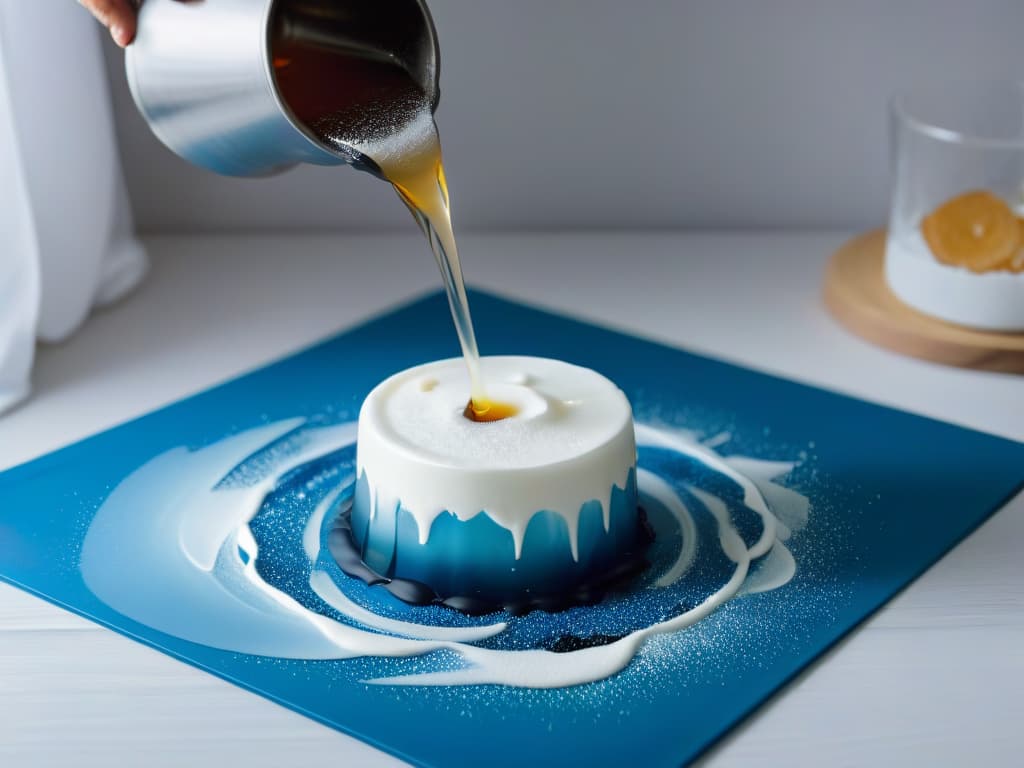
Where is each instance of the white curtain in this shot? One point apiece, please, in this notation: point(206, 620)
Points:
point(66, 234)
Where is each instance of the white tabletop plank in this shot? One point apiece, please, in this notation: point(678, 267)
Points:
point(933, 679)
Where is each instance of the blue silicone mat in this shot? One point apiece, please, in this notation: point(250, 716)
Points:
point(806, 509)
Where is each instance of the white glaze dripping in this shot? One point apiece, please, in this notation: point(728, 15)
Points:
point(571, 443)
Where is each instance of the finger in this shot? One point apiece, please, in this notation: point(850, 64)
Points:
point(117, 15)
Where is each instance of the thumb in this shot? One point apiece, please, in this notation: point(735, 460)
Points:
point(116, 15)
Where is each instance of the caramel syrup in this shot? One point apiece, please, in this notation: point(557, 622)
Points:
point(486, 410)
point(381, 112)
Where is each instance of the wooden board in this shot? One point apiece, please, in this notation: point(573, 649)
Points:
point(857, 295)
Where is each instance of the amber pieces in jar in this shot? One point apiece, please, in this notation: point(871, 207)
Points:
point(976, 230)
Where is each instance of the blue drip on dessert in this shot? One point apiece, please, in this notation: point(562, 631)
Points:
point(576, 584)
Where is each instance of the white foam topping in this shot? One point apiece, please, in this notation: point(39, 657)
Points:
point(571, 441)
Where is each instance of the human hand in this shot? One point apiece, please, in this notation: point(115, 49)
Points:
point(116, 15)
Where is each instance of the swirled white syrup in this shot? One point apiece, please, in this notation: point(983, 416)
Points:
point(150, 549)
point(570, 441)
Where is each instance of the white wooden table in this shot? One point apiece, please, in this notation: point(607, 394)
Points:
point(936, 678)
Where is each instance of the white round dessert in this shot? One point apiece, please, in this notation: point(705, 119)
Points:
point(991, 301)
point(568, 451)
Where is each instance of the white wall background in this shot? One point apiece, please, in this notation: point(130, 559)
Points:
point(632, 113)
